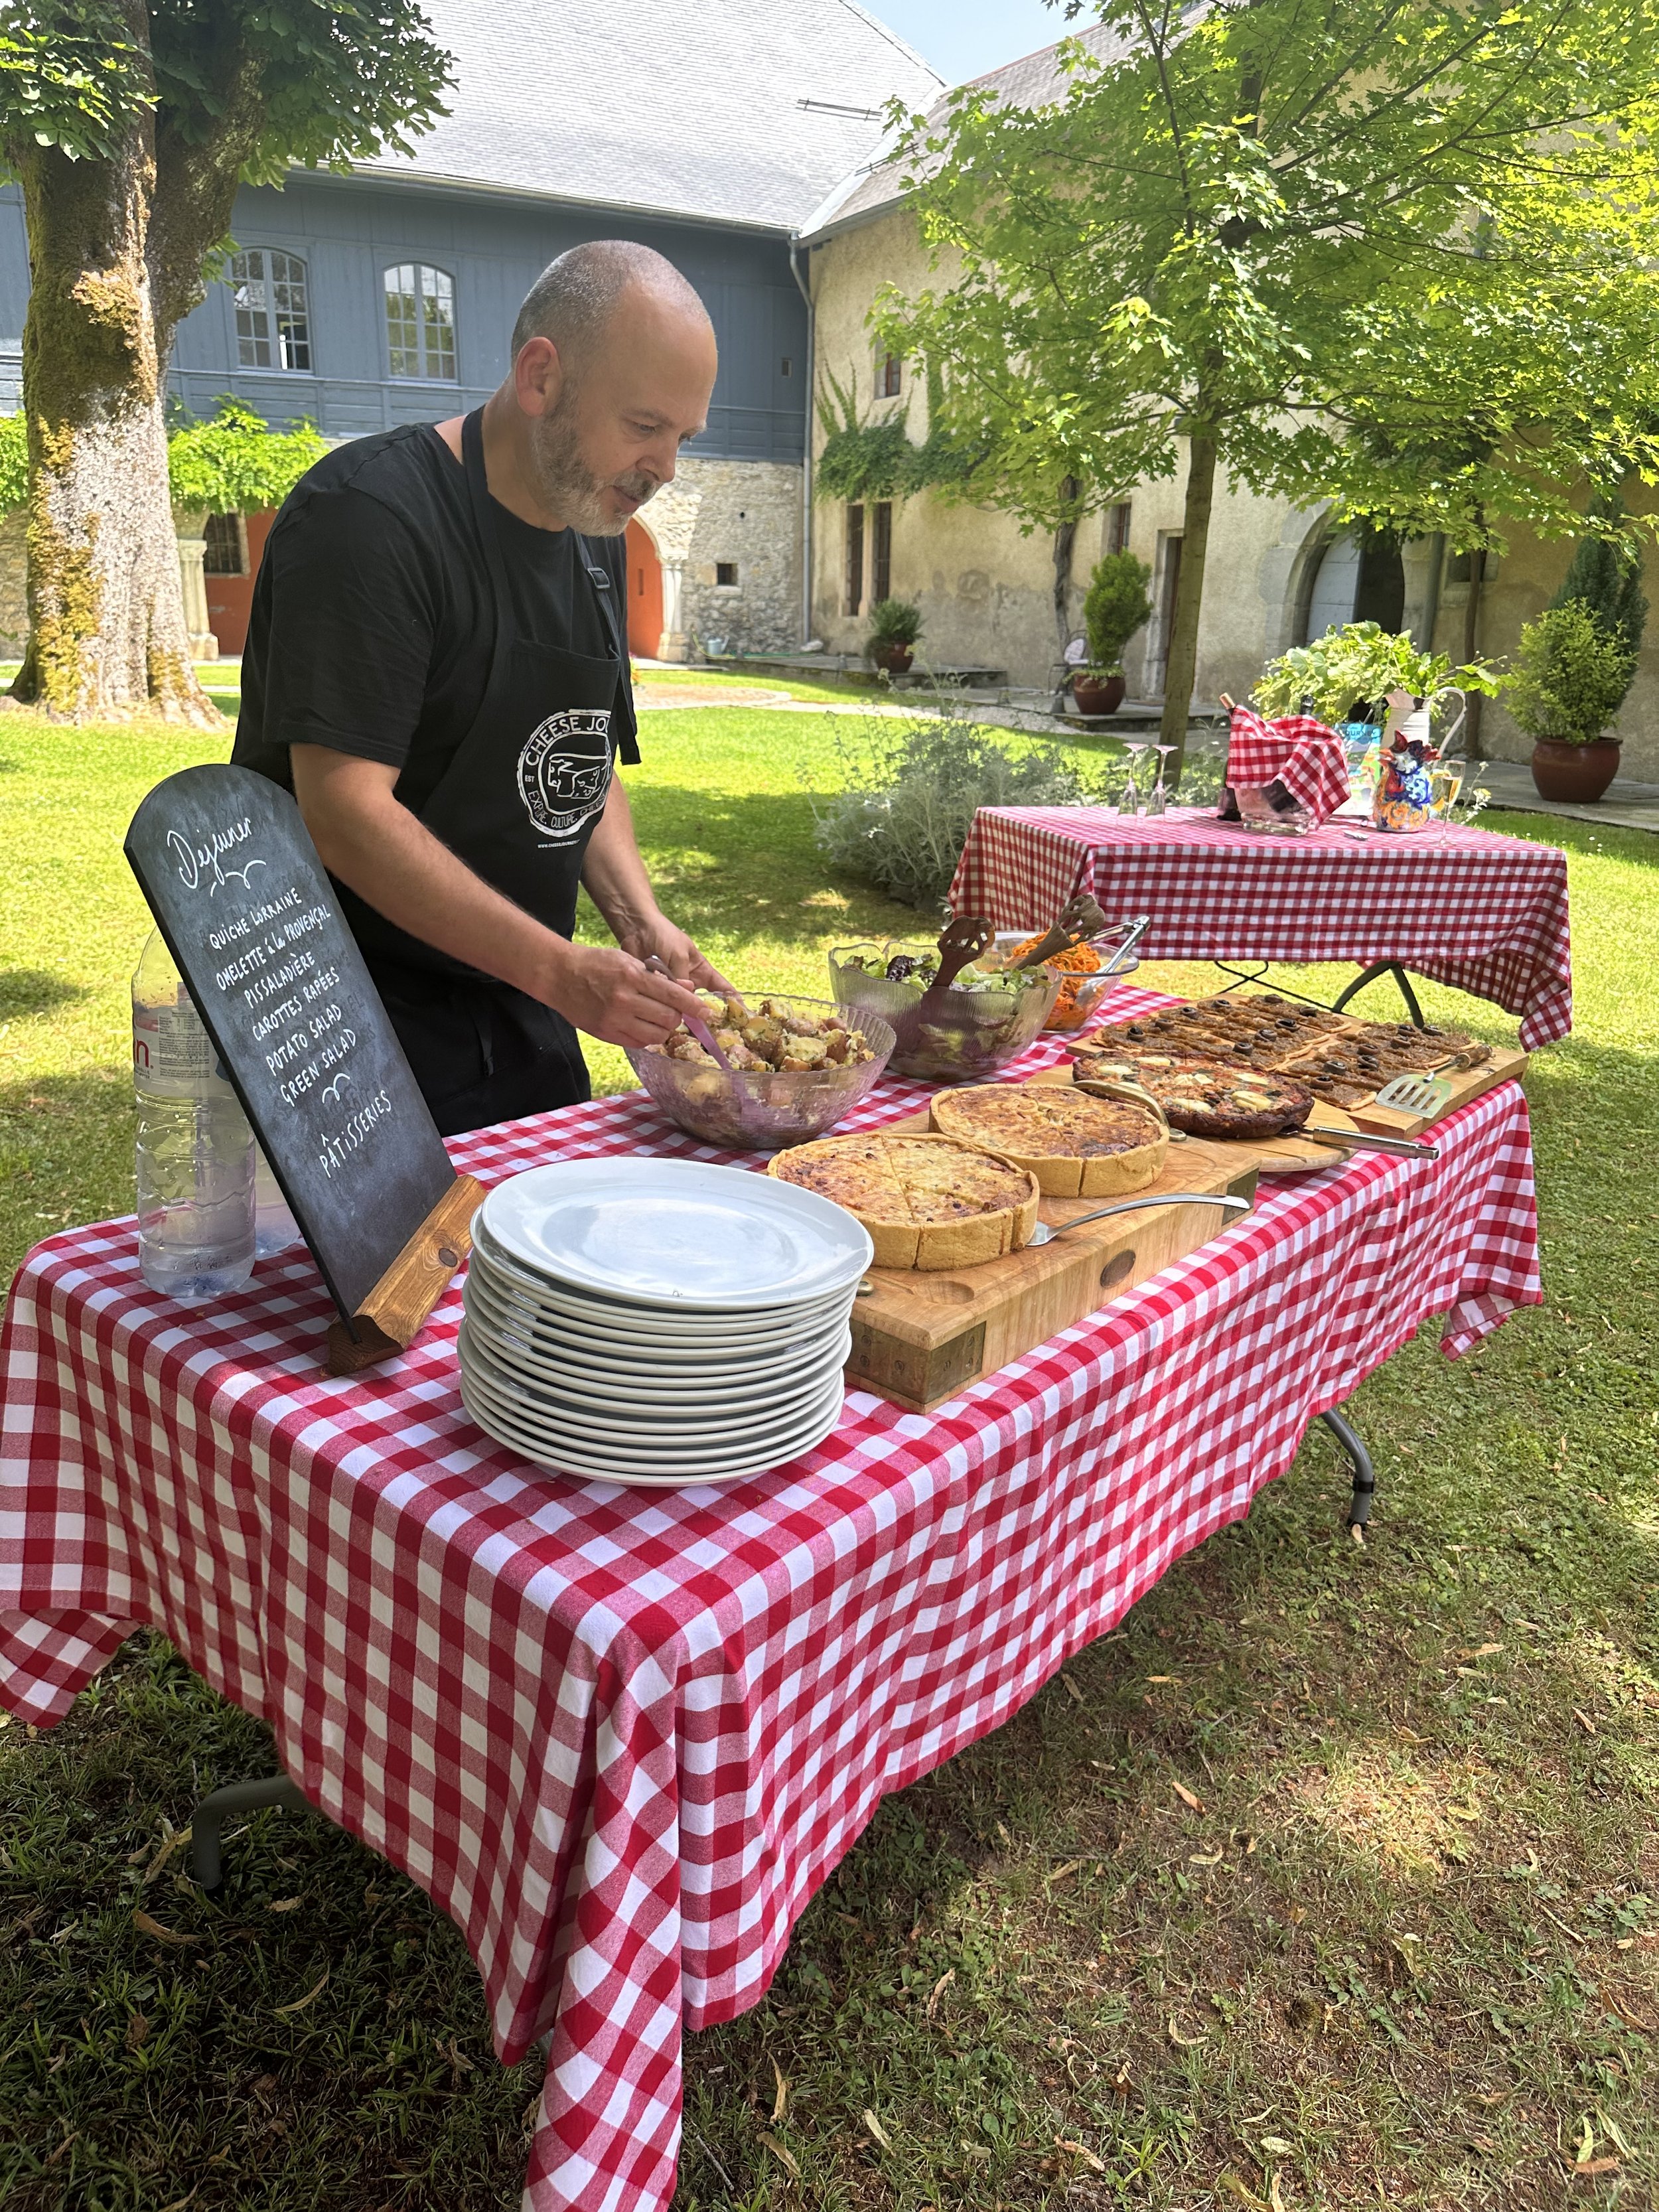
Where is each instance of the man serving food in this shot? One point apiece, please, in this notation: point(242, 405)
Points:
point(436, 669)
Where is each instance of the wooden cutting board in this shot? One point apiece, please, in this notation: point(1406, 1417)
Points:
point(919, 1337)
point(1507, 1062)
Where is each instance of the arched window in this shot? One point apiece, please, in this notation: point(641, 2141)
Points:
point(273, 317)
point(420, 320)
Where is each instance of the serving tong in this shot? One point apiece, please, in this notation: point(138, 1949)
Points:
point(960, 942)
point(1079, 918)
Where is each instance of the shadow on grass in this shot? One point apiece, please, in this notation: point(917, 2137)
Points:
point(26, 991)
point(1321, 1869)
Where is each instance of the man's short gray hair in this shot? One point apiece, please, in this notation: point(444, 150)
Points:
point(574, 297)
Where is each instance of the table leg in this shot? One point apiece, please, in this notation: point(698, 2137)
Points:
point(217, 1807)
point(1369, 975)
point(1258, 974)
point(1364, 1474)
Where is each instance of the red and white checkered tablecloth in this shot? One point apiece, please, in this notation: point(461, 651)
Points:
point(1483, 912)
point(621, 1737)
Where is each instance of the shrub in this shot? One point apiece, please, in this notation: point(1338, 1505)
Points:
point(921, 783)
point(894, 621)
point(1605, 577)
point(1115, 608)
point(1570, 676)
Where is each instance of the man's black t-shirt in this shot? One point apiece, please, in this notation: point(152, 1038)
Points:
point(372, 619)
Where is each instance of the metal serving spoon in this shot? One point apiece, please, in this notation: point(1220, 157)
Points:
point(1044, 1235)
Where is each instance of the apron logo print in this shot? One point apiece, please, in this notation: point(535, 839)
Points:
point(564, 771)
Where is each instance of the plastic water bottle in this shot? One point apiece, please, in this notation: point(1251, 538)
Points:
point(275, 1229)
point(195, 1157)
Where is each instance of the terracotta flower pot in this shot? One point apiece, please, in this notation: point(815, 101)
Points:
point(895, 659)
point(1577, 773)
point(1099, 695)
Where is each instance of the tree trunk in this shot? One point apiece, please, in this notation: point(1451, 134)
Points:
point(107, 622)
point(1181, 659)
point(1471, 632)
point(1065, 541)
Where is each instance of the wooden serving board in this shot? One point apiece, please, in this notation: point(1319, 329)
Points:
point(1507, 1062)
point(919, 1337)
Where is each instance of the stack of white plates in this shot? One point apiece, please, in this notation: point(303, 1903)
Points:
point(658, 1322)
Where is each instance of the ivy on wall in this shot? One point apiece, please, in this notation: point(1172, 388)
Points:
point(862, 460)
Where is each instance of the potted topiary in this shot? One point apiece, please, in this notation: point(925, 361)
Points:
point(1115, 608)
point(1569, 681)
point(895, 626)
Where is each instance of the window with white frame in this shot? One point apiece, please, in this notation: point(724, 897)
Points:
point(273, 317)
point(420, 321)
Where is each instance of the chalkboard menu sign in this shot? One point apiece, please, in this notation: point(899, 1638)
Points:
point(238, 892)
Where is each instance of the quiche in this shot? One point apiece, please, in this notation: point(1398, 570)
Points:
point(1075, 1146)
point(1210, 1099)
point(927, 1201)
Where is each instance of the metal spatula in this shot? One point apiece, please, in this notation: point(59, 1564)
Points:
point(1417, 1094)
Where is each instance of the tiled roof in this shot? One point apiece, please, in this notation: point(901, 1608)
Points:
point(726, 111)
point(869, 188)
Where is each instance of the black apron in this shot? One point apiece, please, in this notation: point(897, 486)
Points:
point(518, 803)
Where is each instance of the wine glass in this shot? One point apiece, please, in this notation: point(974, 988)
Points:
point(1445, 783)
point(1159, 801)
point(1137, 748)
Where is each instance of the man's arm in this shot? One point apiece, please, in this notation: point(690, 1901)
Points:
point(614, 876)
point(389, 859)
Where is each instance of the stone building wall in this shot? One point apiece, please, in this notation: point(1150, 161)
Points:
point(739, 515)
point(985, 590)
point(985, 587)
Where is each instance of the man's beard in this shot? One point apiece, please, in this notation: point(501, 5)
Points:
point(565, 483)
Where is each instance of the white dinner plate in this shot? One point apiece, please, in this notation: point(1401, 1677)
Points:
point(573, 1464)
point(555, 1398)
point(604, 1328)
point(549, 1338)
point(680, 1324)
point(652, 1430)
point(622, 1384)
point(677, 1233)
point(560, 1447)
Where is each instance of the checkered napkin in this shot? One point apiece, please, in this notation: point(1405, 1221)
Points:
point(1304, 755)
point(622, 1737)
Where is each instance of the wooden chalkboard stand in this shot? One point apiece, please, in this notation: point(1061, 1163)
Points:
point(386, 1321)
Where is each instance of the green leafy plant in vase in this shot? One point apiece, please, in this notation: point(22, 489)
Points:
point(895, 626)
point(1358, 664)
point(1117, 604)
point(1569, 682)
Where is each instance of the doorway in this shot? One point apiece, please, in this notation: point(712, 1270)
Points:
point(235, 544)
point(1361, 577)
point(644, 593)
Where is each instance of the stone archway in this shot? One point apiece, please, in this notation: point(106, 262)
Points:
point(667, 526)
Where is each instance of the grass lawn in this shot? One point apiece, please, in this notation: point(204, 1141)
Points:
point(1393, 1939)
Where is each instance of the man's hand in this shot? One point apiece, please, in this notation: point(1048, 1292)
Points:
point(612, 995)
point(675, 952)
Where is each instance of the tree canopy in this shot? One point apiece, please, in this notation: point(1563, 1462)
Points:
point(130, 123)
point(1396, 256)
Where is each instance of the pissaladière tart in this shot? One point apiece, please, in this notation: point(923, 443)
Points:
point(1208, 1099)
point(927, 1201)
point(1075, 1146)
